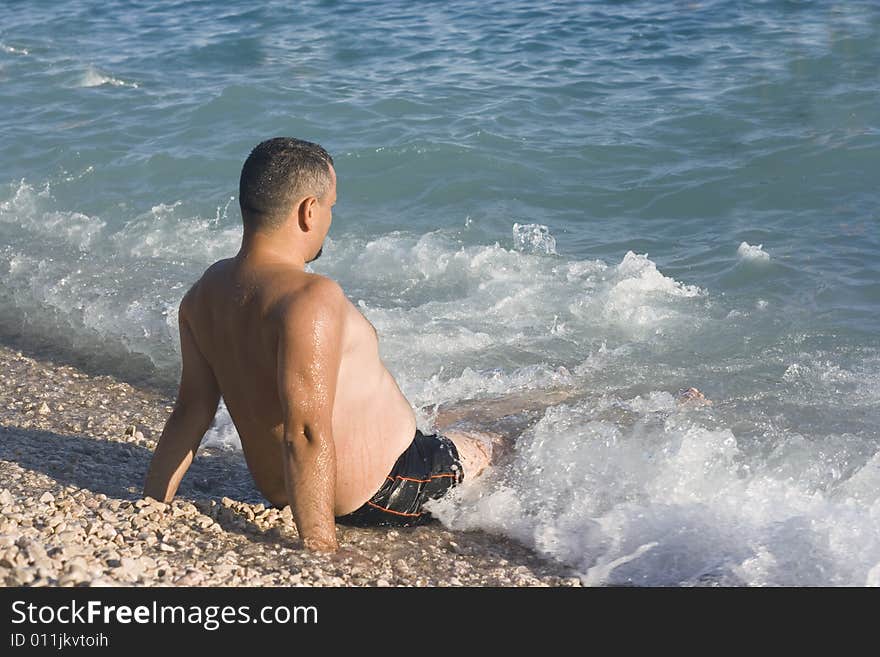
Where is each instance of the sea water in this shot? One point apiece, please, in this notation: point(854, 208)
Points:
point(610, 199)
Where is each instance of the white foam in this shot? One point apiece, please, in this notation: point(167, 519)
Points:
point(164, 232)
point(222, 433)
point(665, 500)
point(814, 380)
point(461, 322)
point(533, 238)
point(425, 290)
point(94, 78)
point(70, 177)
point(12, 50)
point(94, 305)
point(747, 251)
point(495, 383)
point(28, 209)
point(864, 485)
point(640, 294)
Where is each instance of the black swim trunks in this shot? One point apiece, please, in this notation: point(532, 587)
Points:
point(428, 468)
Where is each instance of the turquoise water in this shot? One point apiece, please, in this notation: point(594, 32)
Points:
point(619, 198)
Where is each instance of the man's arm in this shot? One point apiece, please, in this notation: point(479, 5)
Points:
point(309, 355)
point(196, 404)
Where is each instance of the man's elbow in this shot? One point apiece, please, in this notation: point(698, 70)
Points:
point(308, 431)
point(308, 441)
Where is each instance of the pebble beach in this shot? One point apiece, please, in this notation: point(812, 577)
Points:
point(74, 449)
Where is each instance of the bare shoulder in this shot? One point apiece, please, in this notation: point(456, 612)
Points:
point(318, 298)
point(320, 288)
point(191, 300)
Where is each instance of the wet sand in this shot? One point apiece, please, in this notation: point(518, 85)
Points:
point(74, 450)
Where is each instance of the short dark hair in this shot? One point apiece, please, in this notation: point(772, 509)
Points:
point(277, 173)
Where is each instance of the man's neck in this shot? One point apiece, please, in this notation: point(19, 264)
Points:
point(258, 247)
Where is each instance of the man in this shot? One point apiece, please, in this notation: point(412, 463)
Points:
point(323, 425)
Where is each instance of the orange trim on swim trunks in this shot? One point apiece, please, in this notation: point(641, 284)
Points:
point(397, 513)
point(421, 481)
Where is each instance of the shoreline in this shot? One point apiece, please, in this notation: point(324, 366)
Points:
point(74, 449)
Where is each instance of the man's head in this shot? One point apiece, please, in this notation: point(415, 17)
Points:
point(288, 179)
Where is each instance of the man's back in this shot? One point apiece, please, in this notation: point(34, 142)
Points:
point(238, 313)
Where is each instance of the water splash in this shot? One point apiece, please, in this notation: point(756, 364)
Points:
point(94, 78)
point(12, 50)
point(747, 251)
point(533, 238)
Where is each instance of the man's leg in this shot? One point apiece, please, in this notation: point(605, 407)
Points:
point(498, 413)
point(476, 449)
point(499, 420)
point(491, 412)
point(483, 430)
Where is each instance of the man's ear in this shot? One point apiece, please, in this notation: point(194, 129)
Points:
point(306, 212)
